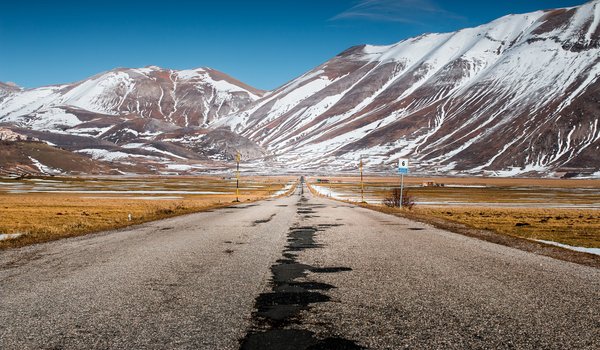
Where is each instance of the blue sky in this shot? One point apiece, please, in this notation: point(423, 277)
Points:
point(262, 43)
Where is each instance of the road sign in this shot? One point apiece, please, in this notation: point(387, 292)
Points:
point(403, 166)
point(402, 170)
point(362, 185)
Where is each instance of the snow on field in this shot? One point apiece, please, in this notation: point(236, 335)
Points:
point(131, 192)
point(283, 190)
point(5, 236)
point(328, 192)
point(184, 167)
point(102, 154)
point(595, 251)
point(149, 198)
point(352, 196)
point(154, 149)
point(43, 168)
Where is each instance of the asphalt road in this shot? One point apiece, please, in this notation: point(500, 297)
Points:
point(292, 273)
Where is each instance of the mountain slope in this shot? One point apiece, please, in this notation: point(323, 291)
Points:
point(184, 98)
point(517, 95)
point(121, 115)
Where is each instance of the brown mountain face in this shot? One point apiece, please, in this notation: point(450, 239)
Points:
point(516, 96)
point(26, 158)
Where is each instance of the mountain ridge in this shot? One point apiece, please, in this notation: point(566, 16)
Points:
point(501, 74)
point(516, 96)
point(121, 115)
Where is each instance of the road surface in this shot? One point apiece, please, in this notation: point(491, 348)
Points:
point(292, 273)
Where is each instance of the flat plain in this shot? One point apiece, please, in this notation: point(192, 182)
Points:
point(556, 210)
point(36, 210)
point(293, 272)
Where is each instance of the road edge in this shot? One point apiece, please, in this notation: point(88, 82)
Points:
point(523, 244)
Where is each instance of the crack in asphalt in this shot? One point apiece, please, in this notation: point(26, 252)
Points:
point(279, 308)
point(263, 221)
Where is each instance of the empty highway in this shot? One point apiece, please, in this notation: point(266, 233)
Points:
point(297, 272)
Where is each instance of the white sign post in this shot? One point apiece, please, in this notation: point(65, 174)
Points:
point(402, 169)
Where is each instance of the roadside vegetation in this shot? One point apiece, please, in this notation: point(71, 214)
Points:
point(575, 227)
point(45, 209)
point(562, 211)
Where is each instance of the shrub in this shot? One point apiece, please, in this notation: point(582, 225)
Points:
point(394, 199)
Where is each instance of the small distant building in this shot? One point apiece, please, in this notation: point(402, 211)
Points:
point(431, 184)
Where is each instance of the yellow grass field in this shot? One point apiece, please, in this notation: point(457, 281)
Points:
point(575, 227)
point(41, 210)
point(563, 211)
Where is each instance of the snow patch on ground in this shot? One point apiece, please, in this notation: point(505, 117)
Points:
point(53, 119)
point(43, 168)
point(130, 192)
point(183, 167)
point(5, 236)
point(154, 149)
point(595, 251)
point(161, 198)
point(283, 190)
point(328, 192)
point(102, 154)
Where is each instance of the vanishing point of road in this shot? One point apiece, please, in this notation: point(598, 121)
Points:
point(296, 272)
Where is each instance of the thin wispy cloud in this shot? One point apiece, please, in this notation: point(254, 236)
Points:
point(404, 11)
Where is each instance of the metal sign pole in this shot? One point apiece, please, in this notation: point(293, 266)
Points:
point(237, 184)
point(402, 169)
point(401, 188)
point(362, 186)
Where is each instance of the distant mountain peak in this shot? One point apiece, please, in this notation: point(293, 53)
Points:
point(182, 97)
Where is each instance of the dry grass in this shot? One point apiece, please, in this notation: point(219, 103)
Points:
point(523, 192)
point(576, 227)
point(41, 216)
point(530, 216)
point(486, 181)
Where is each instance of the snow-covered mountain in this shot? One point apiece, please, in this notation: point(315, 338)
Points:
point(184, 98)
point(122, 115)
point(7, 89)
point(520, 94)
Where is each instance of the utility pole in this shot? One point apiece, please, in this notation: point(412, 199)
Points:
point(238, 157)
point(362, 185)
